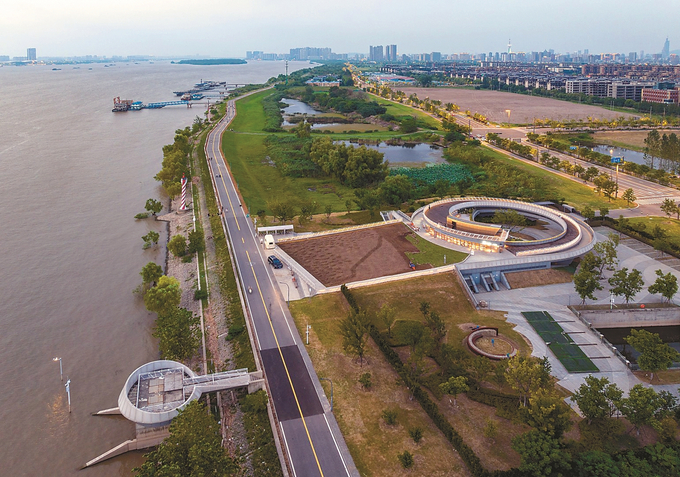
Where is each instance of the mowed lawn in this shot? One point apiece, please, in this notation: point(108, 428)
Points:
point(574, 193)
point(374, 445)
point(671, 226)
point(258, 181)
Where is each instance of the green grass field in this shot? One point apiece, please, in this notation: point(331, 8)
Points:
point(432, 253)
point(259, 182)
point(671, 226)
point(574, 193)
point(569, 353)
point(397, 110)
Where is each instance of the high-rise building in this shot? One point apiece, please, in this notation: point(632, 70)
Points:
point(376, 53)
point(31, 56)
point(666, 50)
point(436, 56)
point(391, 53)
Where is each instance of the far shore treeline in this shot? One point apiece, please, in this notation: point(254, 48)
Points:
point(213, 61)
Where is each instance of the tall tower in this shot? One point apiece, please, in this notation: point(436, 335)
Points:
point(666, 51)
point(509, 46)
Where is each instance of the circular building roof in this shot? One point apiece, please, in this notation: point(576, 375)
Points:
point(155, 392)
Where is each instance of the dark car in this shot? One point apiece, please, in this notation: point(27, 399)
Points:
point(275, 262)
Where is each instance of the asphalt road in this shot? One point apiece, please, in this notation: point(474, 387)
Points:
point(310, 433)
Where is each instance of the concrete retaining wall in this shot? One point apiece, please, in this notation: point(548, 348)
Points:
point(639, 317)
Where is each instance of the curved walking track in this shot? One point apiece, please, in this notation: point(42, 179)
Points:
point(310, 436)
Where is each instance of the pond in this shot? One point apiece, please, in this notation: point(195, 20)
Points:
point(298, 107)
point(626, 154)
point(415, 154)
point(669, 335)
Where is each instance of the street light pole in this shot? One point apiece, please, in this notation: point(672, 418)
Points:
point(327, 379)
point(61, 370)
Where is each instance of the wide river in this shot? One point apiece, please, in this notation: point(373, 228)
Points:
point(74, 174)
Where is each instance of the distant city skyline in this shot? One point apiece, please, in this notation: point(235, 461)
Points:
point(218, 29)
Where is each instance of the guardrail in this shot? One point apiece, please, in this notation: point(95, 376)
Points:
point(391, 278)
point(339, 231)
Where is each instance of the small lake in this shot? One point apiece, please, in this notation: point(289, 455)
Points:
point(298, 107)
point(627, 154)
point(403, 156)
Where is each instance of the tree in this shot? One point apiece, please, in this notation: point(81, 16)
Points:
point(526, 375)
point(597, 398)
point(150, 273)
point(609, 188)
point(412, 333)
point(348, 205)
point(153, 206)
point(548, 413)
point(665, 285)
point(354, 332)
point(408, 125)
point(640, 406)
point(597, 464)
point(193, 448)
point(436, 325)
point(150, 238)
point(328, 210)
point(588, 213)
point(655, 355)
point(669, 207)
point(604, 211)
point(367, 199)
point(164, 296)
point(626, 284)
point(196, 241)
point(629, 195)
point(282, 211)
point(387, 315)
point(606, 252)
point(454, 386)
point(396, 190)
point(178, 245)
point(510, 218)
point(541, 454)
point(586, 283)
point(303, 130)
point(179, 334)
point(480, 367)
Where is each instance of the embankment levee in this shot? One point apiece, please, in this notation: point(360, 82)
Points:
point(616, 318)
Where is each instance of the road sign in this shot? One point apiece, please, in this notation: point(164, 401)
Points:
point(616, 160)
point(573, 148)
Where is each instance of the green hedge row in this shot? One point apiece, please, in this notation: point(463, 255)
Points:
point(431, 408)
point(507, 405)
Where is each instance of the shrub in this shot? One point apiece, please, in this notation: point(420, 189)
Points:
point(365, 380)
point(200, 294)
point(390, 416)
point(491, 429)
point(178, 245)
point(142, 215)
point(406, 459)
point(416, 434)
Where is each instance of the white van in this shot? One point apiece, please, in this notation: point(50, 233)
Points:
point(269, 241)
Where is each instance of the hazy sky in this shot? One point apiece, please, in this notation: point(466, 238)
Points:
point(227, 28)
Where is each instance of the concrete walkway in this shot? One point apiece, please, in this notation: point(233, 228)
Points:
point(556, 298)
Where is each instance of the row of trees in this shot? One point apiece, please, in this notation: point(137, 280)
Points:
point(510, 145)
point(623, 282)
point(175, 163)
point(663, 148)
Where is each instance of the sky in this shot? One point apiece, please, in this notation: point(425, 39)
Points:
point(227, 28)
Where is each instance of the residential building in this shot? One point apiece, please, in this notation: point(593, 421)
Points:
point(666, 96)
point(30, 54)
point(391, 53)
point(376, 54)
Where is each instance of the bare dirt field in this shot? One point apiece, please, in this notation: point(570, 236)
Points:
point(631, 138)
point(357, 255)
point(523, 108)
point(536, 278)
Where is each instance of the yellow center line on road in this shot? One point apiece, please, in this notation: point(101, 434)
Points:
point(242, 241)
point(290, 381)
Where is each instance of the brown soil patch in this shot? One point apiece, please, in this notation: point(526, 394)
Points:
point(523, 108)
point(353, 256)
point(537, 278)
